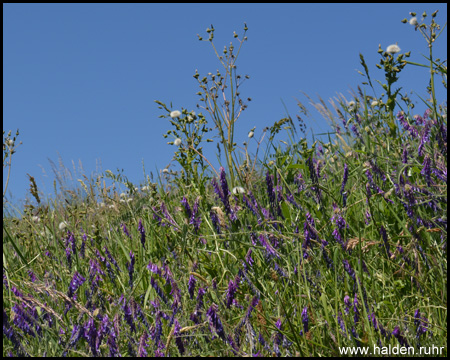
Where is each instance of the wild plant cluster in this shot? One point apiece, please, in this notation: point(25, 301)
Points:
point(312, 249)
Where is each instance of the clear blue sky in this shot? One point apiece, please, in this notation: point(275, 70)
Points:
point(81, 79)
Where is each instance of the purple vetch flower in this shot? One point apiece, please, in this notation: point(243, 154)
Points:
point(344, 181)
point(426, 171)
point(142, 345)
point(90, 334)
point(125, 230)
point(385, 240)
point(355, 309)
point(232, 288)
point(69, 257)
point(367, 217)
point(130, 266)
point(191, 286)
point(424, 137)
point(112, 345)
point(411, 129)
point(325, 256)
point(270, 190)
point(32, 276)
point(23, 318)
point(270, 251)
point(305, 319)
point(103, 330)
point(83, 246)
point(178, 340)
point(421, 323)
point(195, 220)
point(374, 321)
point(110, 257)
point(341, 324)
point(248, 257)
point(349, 269)
point(158, 290)
point(215, 221)
point(77, 281)
point(77, 334)
point(154, 268)
point(127, 313)
point(187, 208)
point(214, 321)
point(142, 232)
point(397, 334)
point(405, 155)
point(347, 303)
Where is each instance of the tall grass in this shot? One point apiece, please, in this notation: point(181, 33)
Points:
point(330, 245)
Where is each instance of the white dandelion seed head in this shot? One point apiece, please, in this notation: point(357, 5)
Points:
point(174, 114)
point(36, 219)
point(190, 118)
point(238, 190)
point(10, 142)
point(193, 113)
point(165, 171)
point(123, 195)
point(177, 142)
point(144, 188)
point(111, 206)
point(351, 104)
point(413, 21)
point(374, 103)
point(62, 225)
point(130, 199)
point(393, 49)
point(250, 134)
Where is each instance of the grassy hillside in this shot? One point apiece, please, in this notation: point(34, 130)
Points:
point(315, 248)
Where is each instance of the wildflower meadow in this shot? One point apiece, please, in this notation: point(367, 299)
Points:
point(295, 249)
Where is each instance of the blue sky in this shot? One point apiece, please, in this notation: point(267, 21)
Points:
point(80, 80)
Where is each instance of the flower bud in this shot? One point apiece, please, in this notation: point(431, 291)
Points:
point(413, 21)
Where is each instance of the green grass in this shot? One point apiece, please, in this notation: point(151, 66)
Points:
point(334, 263)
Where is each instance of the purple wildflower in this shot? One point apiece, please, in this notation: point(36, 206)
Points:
point(76, 282)
point(83, 246)
point(178, 340)
point(110, 257)
point(142, 232)
point(349, 269)
point(341, 324)
point(347, 303)
point(191, 286)
point(248, 257)
point(32, 275)
point(187, 208)
point(125, 230)
point(142, 345)
point(270, 190)
point(355, 309)
point(158, 290)
point(400, 338)
point(344, 181)
point(424, 138)
point(270, 251)
point(215, 221)
point(232, 288)
point(385, 239)
point(305, 319)
point(90, 334)
point(405, 155)
point(130, 267)
point(426, 171)
point(214, 321)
